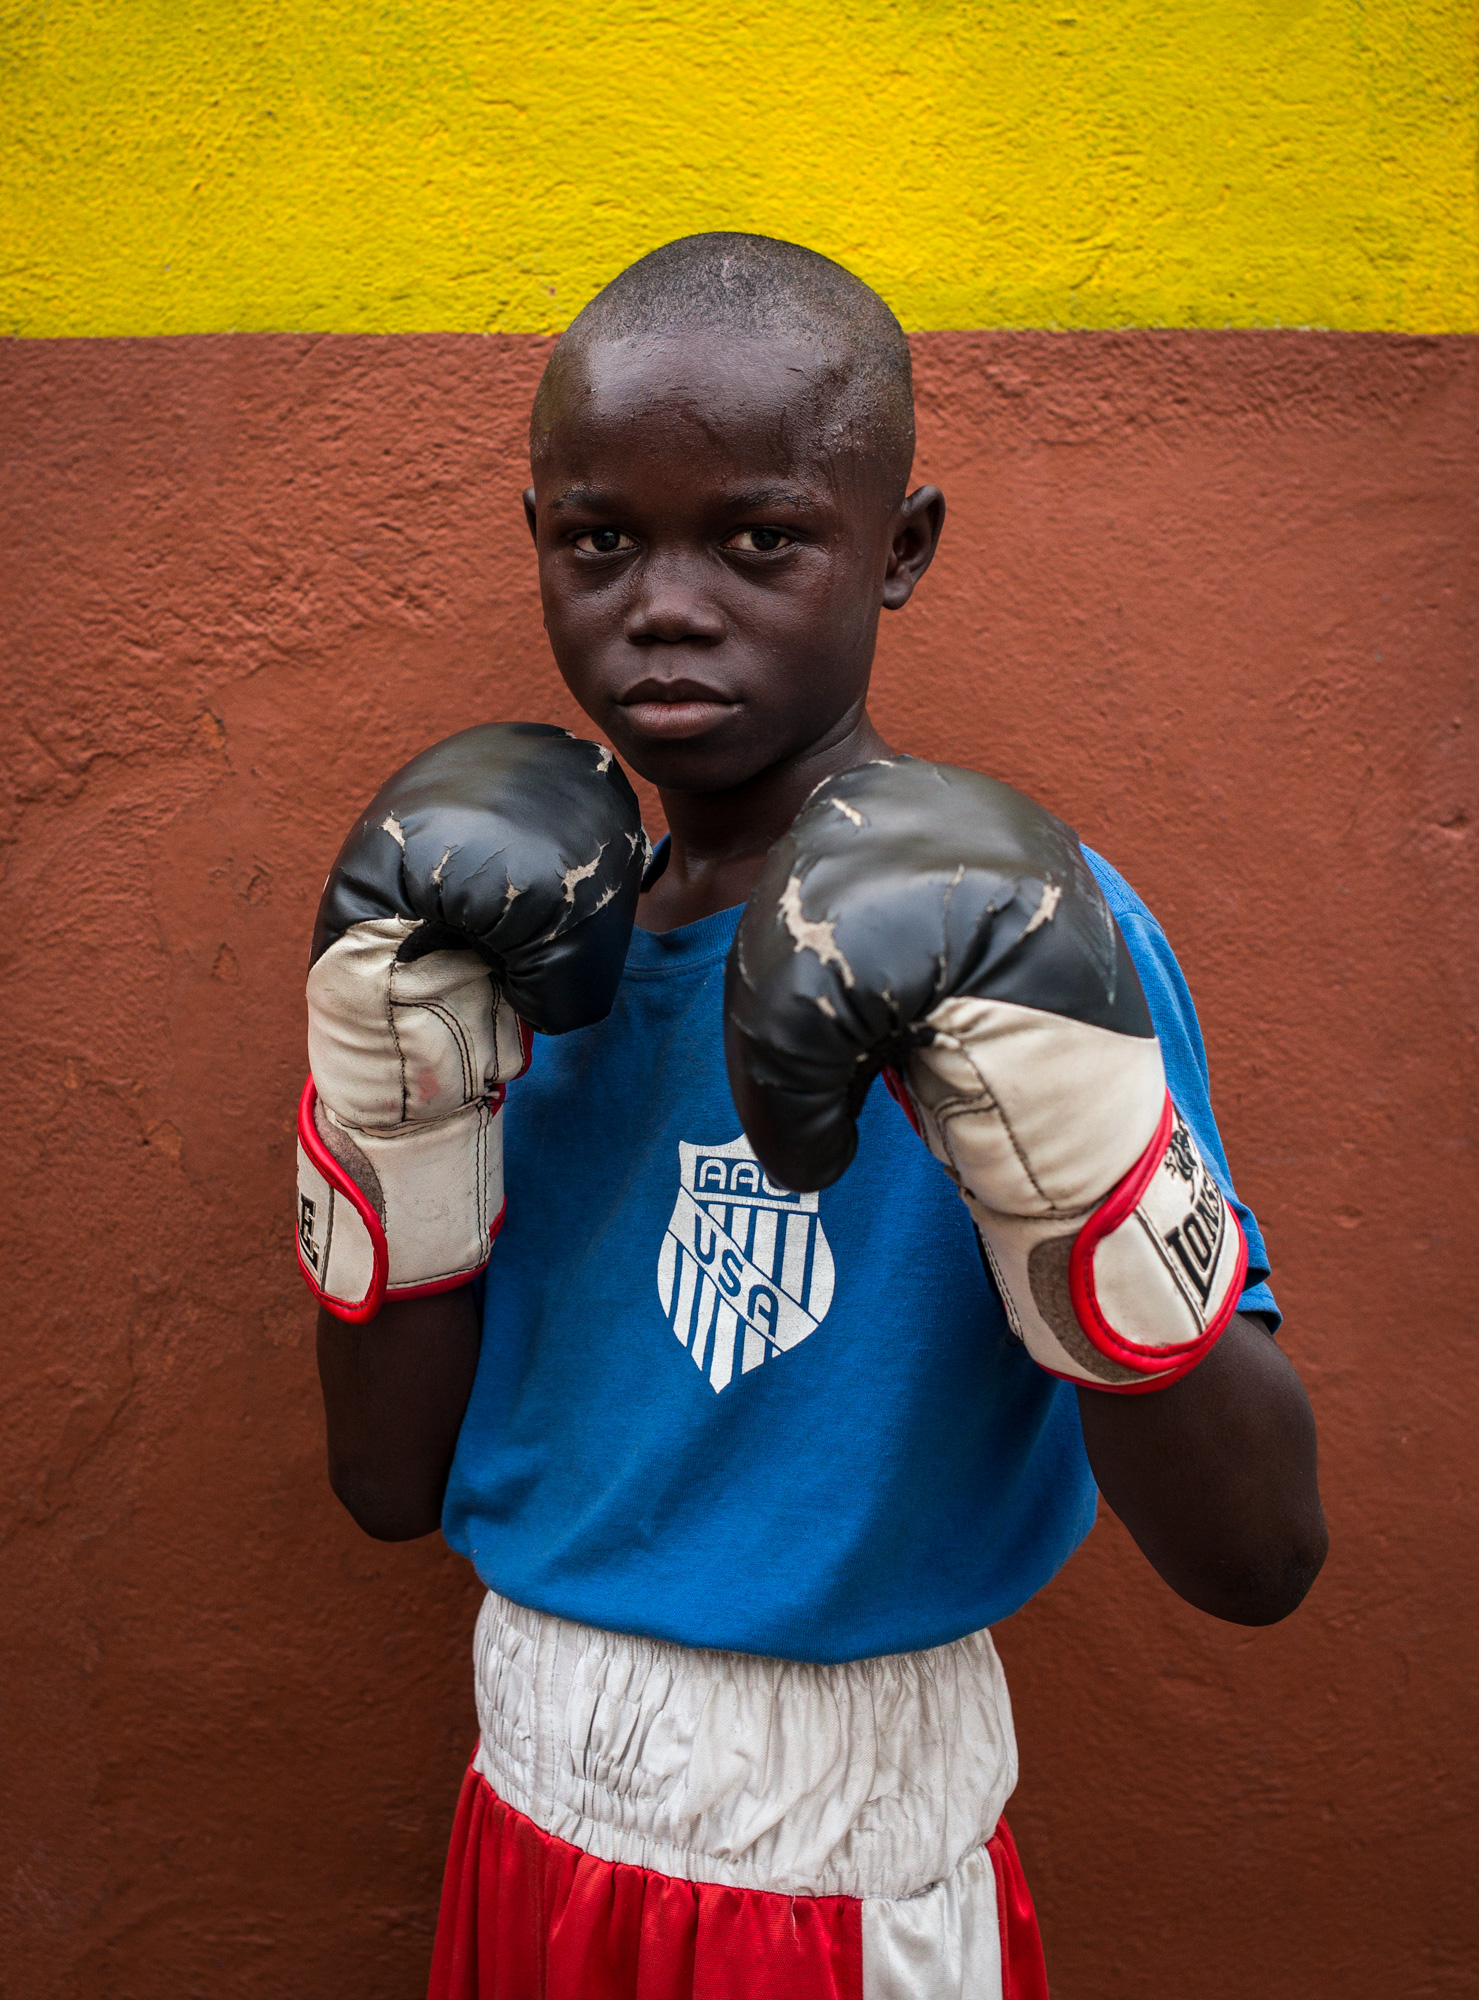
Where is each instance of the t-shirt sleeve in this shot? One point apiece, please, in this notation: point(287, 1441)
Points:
point(1175, 1021)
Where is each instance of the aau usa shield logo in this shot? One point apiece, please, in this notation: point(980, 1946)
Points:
point(744, 1273)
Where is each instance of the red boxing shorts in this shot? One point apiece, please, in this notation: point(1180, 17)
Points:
point(645, 1821)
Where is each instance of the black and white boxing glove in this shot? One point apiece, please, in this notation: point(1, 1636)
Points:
point(487, 890)
point(935, 924)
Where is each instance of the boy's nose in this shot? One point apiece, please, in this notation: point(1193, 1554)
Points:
point(670, 609)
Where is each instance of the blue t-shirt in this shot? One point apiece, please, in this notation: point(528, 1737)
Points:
point(715, 1412)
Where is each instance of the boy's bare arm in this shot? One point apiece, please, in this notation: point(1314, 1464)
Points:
point(1215, 1478)
point(394, 1393)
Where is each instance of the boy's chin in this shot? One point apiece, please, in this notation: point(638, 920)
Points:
point(715, 761)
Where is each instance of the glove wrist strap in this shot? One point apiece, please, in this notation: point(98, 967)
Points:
point(1202, 1251)
point(1134, 1297)
point(347, 1247)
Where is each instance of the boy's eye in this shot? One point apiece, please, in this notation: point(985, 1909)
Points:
point(603, 542)
point(761, 540)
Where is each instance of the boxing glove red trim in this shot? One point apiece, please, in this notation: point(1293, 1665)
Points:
point(1120, 1203)
point(319, 1155)
point(1152, 1382)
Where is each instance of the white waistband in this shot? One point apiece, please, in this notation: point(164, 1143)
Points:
point(875, 1778)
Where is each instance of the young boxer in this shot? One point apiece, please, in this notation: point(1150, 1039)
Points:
point(753, 1426)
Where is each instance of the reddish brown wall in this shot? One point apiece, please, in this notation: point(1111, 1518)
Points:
point(1205, 593)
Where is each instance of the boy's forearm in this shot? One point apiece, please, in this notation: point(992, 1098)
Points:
point(394, 1394)
point(1215, 1478)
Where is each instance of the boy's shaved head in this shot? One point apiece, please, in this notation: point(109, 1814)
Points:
point(756, 289)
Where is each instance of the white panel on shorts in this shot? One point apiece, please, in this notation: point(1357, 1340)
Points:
point(943, 1945)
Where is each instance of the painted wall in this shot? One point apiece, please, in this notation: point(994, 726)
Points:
point(187, 166)
point(1208, 593)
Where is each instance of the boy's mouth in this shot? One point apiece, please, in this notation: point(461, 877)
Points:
point(674, 709)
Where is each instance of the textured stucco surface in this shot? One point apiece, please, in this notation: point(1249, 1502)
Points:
point(176, 166)
point(1210, 596)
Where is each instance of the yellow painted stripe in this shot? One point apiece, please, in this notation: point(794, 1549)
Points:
point(173, 166)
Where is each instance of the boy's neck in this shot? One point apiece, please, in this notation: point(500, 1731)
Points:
point(720, 839)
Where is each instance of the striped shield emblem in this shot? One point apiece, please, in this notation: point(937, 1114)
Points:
point(744, 1272)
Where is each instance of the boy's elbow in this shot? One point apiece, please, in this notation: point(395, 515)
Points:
point(1267, 1593)
point(382, 1512)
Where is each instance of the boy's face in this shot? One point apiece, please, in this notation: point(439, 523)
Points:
point(712, 563)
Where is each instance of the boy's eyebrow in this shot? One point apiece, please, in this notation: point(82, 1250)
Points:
point(771, 496)
point(592, 499)
point(579, 496)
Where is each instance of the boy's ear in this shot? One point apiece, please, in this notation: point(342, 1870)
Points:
point(529, 514)
point(916, 535)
